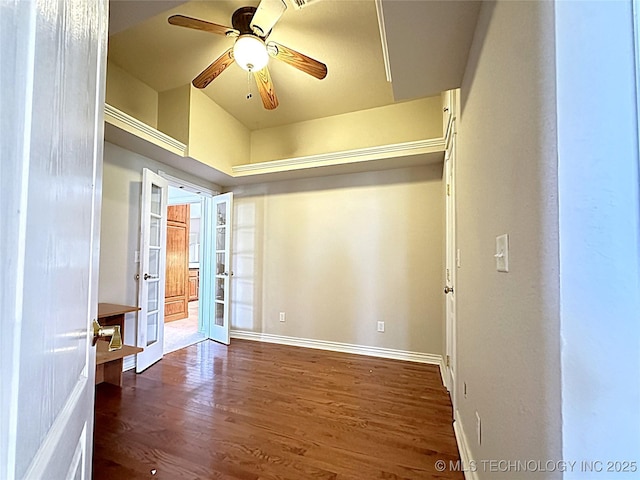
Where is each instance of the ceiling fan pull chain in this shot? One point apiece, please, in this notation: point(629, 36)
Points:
point(249, 94)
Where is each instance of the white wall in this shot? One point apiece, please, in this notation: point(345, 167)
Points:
point(120, 225)
point(599, 234)
point(508, 323)
point(337, 254)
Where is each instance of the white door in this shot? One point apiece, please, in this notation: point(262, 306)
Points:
point(451, 265)
point(221, 223)
point(153, 243)
point(52, 59)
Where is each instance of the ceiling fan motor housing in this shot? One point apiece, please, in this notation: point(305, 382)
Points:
point(241, 20)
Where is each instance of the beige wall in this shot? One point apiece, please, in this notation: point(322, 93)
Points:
point(173, 113)
point(215, 137)
point(337, 254)
point(120, 225)
point(131, 96)
point(402, 122)
point(508, 323)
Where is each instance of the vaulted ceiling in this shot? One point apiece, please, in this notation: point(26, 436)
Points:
point(428, 43)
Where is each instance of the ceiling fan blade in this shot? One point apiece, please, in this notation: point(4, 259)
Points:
point(197, 24)
point(265, 87)
point(298, 60)
point(266, 16)
point(210, 73)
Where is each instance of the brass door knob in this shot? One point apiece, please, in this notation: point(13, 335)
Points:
point(112, 331)
point(448, 289)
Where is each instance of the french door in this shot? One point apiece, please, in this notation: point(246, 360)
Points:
point(151, 281)
point(217, 279)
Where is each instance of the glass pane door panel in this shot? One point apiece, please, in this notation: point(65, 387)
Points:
point(152, 328)
point(154, 261)
point(156, 199)
point(220, 238)
point(154, 240)
point(152, 296)
point(219, 318)
point(220, 264)
point(221, 214)
point(220, 289)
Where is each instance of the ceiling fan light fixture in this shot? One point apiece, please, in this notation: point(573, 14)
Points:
point(250, 52)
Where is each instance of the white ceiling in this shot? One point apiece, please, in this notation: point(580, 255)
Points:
point(428, 43)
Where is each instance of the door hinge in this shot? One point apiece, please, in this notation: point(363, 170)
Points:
point(448, 361)
point(448, 189)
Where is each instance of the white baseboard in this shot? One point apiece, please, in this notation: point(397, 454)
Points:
point(443, 373)
point(463, 447)
point(128, 363)
point(340, 347)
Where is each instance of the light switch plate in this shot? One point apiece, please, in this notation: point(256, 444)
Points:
point(502, 253)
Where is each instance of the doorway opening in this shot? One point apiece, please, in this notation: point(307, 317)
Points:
point(183, 325)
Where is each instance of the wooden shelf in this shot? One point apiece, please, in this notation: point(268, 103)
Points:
point(106, 310)
point(109, 364)
point(103, 355)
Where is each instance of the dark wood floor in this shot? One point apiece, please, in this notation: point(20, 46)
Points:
point(259, 411)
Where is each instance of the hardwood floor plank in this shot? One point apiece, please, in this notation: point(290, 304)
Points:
point(255, 411)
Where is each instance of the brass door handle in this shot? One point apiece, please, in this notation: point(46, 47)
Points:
point(112, 331)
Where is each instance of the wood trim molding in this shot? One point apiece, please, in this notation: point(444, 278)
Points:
point(339, 347)
point(463, 448)
point(120, 119)
point(343, 157)
point(188, 186)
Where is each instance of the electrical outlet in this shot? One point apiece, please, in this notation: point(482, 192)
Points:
point(381, 326)
point(283, 317)
point(479, 428)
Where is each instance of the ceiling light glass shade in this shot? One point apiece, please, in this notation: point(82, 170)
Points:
point(250, 53)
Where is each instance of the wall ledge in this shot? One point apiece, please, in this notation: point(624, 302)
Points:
point(395, 150)
point(132, 125)
point(132, 134)
point(417, 357)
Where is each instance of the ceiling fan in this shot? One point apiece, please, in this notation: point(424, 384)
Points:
point(251, 51)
